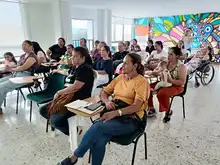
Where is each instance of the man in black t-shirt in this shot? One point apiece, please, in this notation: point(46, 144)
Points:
point(57, 50)
point(119, 56)
point(121, 52)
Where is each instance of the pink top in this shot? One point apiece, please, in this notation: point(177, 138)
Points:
point(10, 64)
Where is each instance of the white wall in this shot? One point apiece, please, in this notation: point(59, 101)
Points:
point(39, 24)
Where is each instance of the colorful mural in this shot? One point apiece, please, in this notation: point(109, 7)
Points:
point(205, 28)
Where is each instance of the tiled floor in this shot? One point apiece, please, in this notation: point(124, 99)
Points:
point(193, 141)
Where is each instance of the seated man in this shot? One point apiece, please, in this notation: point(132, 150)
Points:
point(81, 79)
point(119, 56)
point(131, 90)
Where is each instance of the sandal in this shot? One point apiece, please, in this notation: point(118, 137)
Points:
point(167, 116)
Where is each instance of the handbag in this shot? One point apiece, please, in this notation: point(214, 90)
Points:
point(140, 123)
point(58, 104)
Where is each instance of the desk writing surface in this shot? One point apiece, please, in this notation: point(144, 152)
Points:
point(81, 112)
point(24, 80)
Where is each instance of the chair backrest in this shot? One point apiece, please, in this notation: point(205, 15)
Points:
point(186, 84)
point(56, 82)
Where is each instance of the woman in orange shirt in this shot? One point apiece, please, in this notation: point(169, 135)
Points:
point(131, 91)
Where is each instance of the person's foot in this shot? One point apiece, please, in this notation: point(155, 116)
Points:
point(1, 112)
point(151, 112)
point(197, 85)
point(167, 117)
point(67, 161)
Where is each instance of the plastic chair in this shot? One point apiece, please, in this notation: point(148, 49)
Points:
point(182, 96)
point(55, 83)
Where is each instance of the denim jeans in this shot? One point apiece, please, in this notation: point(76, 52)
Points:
point(59, 120)
point(7, 86)
point(99, 134)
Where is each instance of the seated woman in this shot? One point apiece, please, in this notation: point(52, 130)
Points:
point(131, 89)
point(176, 77)
point(183, 50)
point(26, 65)
point(135, 47)
point(104, 67)
point(156, 56)
point(195, 60)
point(42, 58)
point(10, 62)
point(66, 59)
point(97, 54)
point(81, 80)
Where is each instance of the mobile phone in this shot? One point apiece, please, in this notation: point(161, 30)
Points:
point(94, 106)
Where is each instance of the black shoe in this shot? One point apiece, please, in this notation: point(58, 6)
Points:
point(151, 112)
point(197, 85)
point(67, 161)
point(167, 117)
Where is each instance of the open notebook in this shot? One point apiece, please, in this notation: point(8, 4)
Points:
point(80, 105)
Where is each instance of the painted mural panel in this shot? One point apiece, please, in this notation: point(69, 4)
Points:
point(170, 29)
point(205, 28)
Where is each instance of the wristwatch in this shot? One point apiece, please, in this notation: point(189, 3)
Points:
point(120, 112)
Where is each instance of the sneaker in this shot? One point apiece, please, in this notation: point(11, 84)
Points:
point(67, 161)
point(1, 112)
point(151, 112)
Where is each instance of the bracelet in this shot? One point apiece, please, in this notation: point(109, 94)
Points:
point(120, 112)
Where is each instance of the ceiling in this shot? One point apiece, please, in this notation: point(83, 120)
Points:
point(147, 8)
point(143, 8)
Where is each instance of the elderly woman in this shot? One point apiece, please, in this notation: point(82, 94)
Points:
point(26, 65)
point(131, 90)
point(81, 79)
point(177, 77)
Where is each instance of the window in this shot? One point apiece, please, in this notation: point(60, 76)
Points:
point(118, 32)
point(82, 29)
point(121, 29)
point(127, 32)
point(11, 29)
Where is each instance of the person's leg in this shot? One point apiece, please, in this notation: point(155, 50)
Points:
point(44, 111)
point(60, 121)
point(151, 111)
point(5, 87)
point(99, 134)
point(164, 95)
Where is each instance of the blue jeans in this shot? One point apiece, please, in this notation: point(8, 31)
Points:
point(99, 134)
point(59, 120)
point(7, 86)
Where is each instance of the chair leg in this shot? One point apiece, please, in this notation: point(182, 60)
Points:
point(145, 144)
point(47, 126)
point(134, 153)
point(183, 102)
point(5, 102)
point(17, 101)
point(90, 154)
point(30, 110)
point(22, 94)
point(170, 105)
